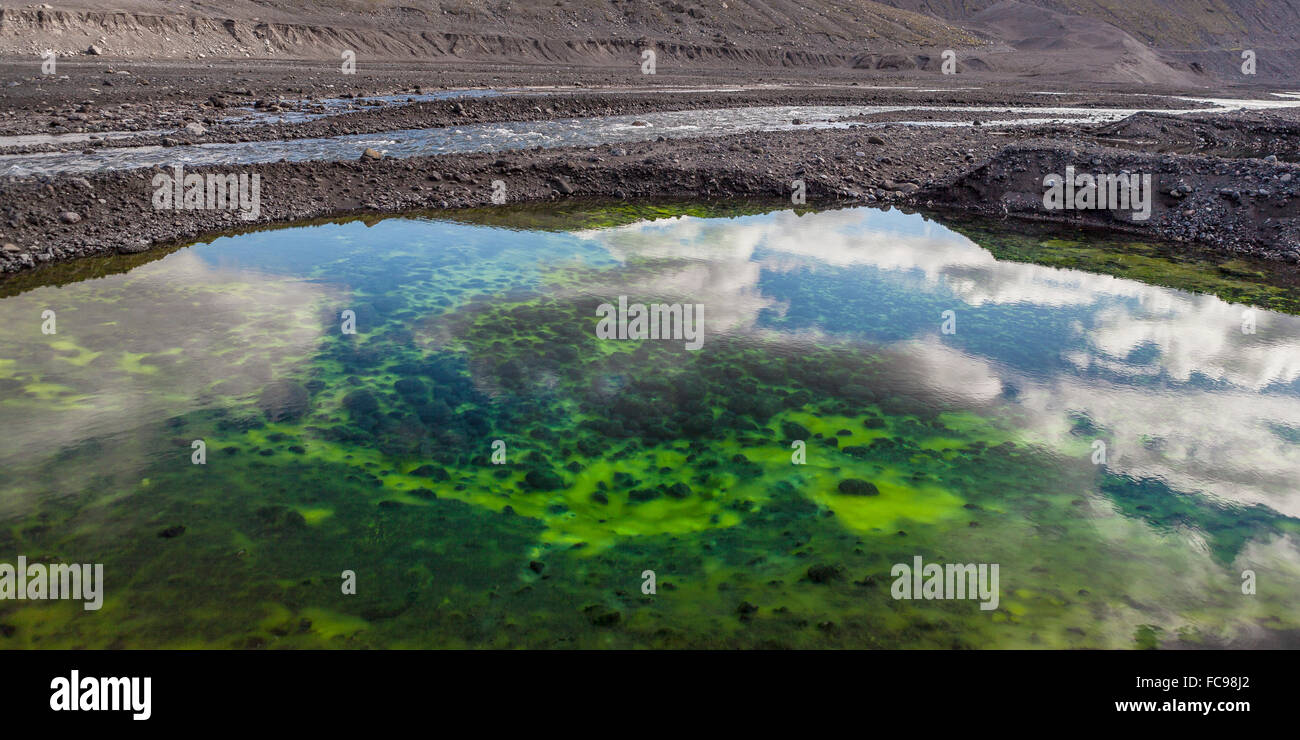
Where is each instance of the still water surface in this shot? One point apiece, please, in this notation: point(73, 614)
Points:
point(373, 452)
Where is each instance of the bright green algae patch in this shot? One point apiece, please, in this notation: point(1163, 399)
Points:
point(373, 453)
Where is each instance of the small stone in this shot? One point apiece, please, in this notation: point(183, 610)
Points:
point(69, 217)
point(94, 50)
point(371, 155)
point(12, 248)
point(196, 128)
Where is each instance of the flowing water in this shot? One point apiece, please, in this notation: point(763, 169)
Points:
point(493, 474)
point(571, 132)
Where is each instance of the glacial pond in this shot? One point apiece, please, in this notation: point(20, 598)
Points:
point(1115, 427)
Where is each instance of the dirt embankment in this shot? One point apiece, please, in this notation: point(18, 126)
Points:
point(1247, 206)
point(1255, 134)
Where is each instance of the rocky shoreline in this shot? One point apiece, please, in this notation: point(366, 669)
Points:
point(70, 217)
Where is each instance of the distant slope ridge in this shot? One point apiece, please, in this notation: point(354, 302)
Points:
point(1180, 25)
point(1181, 42)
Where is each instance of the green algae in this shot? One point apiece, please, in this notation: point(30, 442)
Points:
point(1235, 279)
point(576, 214)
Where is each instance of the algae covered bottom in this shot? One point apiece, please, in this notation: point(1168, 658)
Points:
point(1097, 420)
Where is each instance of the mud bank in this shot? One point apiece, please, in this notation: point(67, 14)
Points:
point(1242, 206)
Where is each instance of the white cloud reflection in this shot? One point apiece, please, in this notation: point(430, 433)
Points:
point(1214, 438)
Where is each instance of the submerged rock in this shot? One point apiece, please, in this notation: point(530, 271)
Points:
point(855, 487)
point(825, 573)
point(279, 517)
point(284, 400)
point(602, 616)
point(432, 471)
point(361, 403)
point(794, 431)
point(543, 480)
